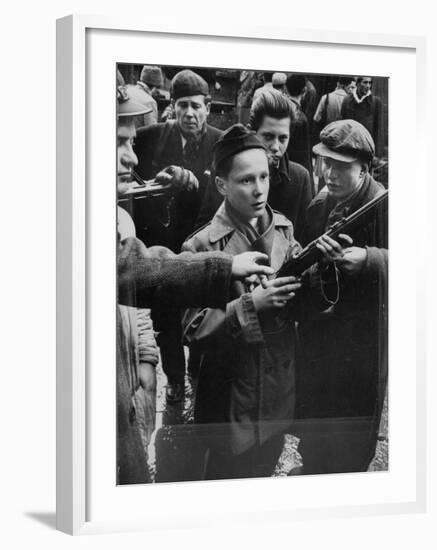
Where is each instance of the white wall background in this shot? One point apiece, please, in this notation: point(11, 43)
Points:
point(27, 387)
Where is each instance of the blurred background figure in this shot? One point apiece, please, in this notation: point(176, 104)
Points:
point(267, 86)
point(145, 92)
point(309, 100)
point(299, 148)
point(278, 82)
point(329, 107)
point(364, 107)
point(248, 83)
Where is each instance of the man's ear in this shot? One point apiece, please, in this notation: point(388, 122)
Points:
point(208, 107)
point(364, 169)
point(221, 186)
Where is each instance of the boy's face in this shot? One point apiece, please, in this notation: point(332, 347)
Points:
point(247, 184)
point(342, 178)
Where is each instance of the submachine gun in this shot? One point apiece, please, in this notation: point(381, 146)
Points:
point(348, 225)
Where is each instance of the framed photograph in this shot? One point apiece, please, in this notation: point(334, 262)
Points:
point(266, 397)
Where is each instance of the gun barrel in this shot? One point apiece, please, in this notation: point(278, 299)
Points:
point(310, 254)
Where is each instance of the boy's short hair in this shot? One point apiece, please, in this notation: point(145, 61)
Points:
point(295, 84)
point(234, 140)
point(270, 103)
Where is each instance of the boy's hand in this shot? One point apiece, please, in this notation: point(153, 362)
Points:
point(276, 293)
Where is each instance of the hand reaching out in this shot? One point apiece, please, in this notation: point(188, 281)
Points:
point(250, 263)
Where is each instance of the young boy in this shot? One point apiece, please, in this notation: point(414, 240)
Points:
point(246, 386)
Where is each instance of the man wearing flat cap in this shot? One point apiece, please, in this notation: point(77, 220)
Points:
point(185, 142)
point(342, 374)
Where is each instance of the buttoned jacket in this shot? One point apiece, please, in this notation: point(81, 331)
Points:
point(246, 385)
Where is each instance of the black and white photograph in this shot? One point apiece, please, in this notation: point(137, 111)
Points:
point(252, 262)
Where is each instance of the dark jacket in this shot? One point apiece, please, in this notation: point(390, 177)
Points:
point(157, 147)
point(289, 193)
point(299, 146)
point(343, 369)
point(246, 385)
point(370, 114)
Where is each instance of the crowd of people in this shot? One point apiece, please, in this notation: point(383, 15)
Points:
point(197, 263)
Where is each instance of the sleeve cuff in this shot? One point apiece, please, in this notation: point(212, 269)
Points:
point(243, 320)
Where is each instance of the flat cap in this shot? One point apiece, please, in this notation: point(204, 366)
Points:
point(346, 141)
point(234, 140)
point(126, 105)
point(186, 83)
point(151, 75)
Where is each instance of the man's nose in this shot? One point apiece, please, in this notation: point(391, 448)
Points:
point(258, 188)
point(129, 158)
point(274, 147)
point(189, 112)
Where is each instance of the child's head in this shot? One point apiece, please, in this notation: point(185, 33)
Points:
point(242, 172)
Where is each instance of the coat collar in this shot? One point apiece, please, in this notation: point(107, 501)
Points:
point(221, 225)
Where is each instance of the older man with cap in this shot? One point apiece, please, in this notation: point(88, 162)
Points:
point(342, 375)
point(185, 142)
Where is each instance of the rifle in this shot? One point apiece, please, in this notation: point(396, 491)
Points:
point(311, 254)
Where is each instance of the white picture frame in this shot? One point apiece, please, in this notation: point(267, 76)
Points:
point(78, 492)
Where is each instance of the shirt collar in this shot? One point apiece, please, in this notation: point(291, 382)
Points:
point(221, 224)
